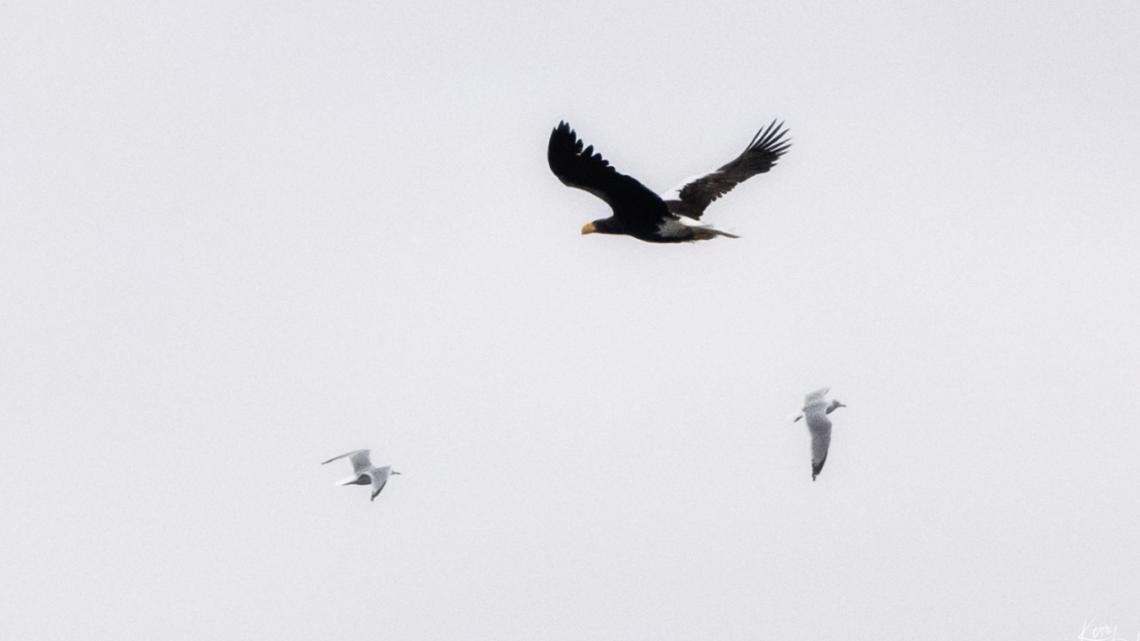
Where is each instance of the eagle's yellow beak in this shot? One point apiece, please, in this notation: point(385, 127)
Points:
point(588, 228)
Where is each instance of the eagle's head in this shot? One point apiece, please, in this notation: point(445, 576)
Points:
point(602, 226)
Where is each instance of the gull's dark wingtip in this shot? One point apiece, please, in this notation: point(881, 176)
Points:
point(816, 469)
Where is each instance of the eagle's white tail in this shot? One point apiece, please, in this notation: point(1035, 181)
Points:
point(705, 233)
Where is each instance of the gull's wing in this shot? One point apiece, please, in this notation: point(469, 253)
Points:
point(691, 197)
point(376, 487)
point(816, 397)
point(379, 480)
point(584, 169)
point(359, 458)
point(820, 427)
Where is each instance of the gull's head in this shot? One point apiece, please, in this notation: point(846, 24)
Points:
point(836, 404)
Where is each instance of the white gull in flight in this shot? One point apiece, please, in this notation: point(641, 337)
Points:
point(363, 471)
point(816, 409)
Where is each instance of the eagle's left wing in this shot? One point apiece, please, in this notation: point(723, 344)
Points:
point(691, 197)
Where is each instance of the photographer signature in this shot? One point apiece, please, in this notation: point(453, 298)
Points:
point(1092, 631)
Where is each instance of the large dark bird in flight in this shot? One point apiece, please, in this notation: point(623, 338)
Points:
point(639, 212)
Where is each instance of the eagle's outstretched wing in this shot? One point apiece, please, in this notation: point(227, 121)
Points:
point(691, 197)
point(631, 201)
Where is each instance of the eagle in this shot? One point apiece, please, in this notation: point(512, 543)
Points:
point(637, 211)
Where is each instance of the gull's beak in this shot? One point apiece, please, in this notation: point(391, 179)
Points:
point(588, 228)
point(395, 472)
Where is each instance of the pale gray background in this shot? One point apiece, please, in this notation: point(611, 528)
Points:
point(238, 240)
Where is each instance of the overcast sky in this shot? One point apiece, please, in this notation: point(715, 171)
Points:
point(238, 240)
